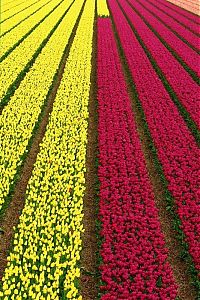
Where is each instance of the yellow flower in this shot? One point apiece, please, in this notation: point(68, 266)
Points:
point(48, 236)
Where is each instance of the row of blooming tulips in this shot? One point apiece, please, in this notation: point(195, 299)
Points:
point(134, 258)
point(102, 8)
point(43, 263)
point(12, 37)
point(192, 7)
point(8, 9)
point(189, 37)
point(183, 20)
point(8, 5)
point(176, 147)
point(189, 56)
point(186, 14)
point(13, 22)
point(20, 116)
point(16, 61)
point(186, 89)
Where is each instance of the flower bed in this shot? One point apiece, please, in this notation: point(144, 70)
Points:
point(44, 261)
point(20, 116)
point(133, 250)
point(15, 62)
point(102, 9)
point(176, 147)
point(187, 55)
point(185, 34)
point(182, 84)
point(194, 8)
point(180, 16)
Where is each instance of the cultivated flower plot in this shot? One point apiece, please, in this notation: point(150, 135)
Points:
point(99, 135)
point(174, 143)
point(133, 251)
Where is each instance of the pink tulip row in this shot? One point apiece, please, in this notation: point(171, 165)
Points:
point(189, 3)
point(181, 12)
point(183, 32)
point(176, 147)
point(178, 15)
point(192, 7)
point(186, 89)
point(133, 250)
point(189, 56)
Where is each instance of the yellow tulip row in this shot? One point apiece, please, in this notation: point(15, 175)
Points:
point(43, 263)
point(10, 23)
point(8, 5)
point(12, 37)
point(102, 8)
point(9, 9)
point(19, 117)
point(11, 67)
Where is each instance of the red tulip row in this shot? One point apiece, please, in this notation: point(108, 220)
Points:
point(134, 257)
point(176, 147)
point(181, 12)
point(191, 7)
point(183, 32)
point(186, 89)
point(189, 56)
point(180, 15)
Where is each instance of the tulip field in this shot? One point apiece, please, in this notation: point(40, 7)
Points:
point(100, 160)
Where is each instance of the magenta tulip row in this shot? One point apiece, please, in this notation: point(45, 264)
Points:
point(134, 257)
point(176, 147)
point(178, 15)
point(186, 89)
point(188, 5)
point(189, 56)
point(183, 32)
point(181, 12)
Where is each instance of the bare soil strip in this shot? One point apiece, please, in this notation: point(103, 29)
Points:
point(180, 269)
point(88, 280)
point(12, 213)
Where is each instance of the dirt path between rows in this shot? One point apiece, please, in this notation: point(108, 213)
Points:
point(89, 267)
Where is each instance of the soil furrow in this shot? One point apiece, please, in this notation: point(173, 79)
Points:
point(88, 278)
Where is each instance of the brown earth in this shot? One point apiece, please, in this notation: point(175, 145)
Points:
point(90, 248)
